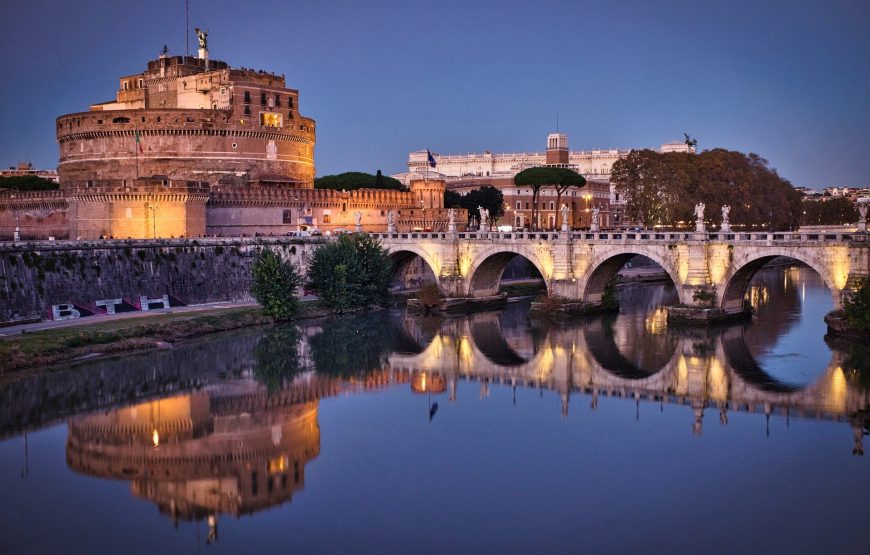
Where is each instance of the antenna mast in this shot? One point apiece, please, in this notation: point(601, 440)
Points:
point(186, 27)
point(557, 122)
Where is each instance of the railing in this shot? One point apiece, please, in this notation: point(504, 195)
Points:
point(633, 236)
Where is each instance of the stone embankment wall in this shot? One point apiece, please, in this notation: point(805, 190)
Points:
point(34, 276)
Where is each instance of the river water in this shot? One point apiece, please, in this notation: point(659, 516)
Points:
point(487, 433)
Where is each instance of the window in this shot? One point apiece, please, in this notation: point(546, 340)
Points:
point(519, 204)
point(247, 97)
point(247, 110)
point(290, 102)
point(326, 219)
point(277, 100)
point(527, 206)
point(141, 83)
point(271, 119)
point(287, 217)
point(552, 205)
point(262, 99)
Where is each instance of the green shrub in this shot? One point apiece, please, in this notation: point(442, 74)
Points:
point(350, 272)
point(857, 307)
point(275, 284)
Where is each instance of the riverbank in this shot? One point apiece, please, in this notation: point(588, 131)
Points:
point(81, 342)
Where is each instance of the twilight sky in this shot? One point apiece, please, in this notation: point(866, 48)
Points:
point(788, 80)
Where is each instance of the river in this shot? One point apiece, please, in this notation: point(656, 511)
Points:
point(485, 433)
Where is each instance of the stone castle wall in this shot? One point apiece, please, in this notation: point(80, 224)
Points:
point(205, 145)
point(36, 214)
point(36, 275)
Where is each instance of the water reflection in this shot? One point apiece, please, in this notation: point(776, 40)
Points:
point(227, 425)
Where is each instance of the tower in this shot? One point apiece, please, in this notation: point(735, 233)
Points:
point(557, 149)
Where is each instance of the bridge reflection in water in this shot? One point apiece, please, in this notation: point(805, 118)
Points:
point(240, 444)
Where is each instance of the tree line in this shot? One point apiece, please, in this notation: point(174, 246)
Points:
point(662, 189)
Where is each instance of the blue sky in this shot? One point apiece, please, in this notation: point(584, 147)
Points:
point(787, 80)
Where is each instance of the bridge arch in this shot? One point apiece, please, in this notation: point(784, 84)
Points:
point(733, 289)
point(487, 268)
point(605, 266)
point(402, 260)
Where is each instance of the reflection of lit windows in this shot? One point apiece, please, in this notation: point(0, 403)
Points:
point(757, 296)
point(657, 322)
point(271, 119)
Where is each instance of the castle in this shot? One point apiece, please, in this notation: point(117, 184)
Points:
point(192, 147)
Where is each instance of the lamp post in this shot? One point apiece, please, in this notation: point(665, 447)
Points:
point(153, 210)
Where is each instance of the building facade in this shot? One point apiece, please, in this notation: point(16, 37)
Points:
point(192, 119)
point(192, 147)
point(488, 168)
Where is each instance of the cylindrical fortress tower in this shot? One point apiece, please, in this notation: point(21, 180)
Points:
point(191, 119)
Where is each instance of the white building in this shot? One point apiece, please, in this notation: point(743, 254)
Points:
point(592, 164)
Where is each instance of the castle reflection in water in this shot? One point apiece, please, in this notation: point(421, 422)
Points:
point(239, 442)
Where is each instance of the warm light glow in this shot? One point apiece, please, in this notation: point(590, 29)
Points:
point(276, 465)
point(271, 119)
point(155, 437)
point(657, 322)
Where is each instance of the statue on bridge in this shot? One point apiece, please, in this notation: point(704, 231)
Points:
point(357, 216)
point(564, 211)
point(484, 218)
point(596, 220)
point(391, 222)
point(699, 222)
point(862, 212)
point(451, 219)
point(726, 225)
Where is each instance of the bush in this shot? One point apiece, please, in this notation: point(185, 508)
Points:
point(275, 284)
point(609, 300)
point(350, 272)
point(857, 307)
point(430, 295)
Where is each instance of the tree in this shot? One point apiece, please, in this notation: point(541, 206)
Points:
point(275, 284)
point(351, 272)
point(28, 183)
point(452, 199)
point(857, 307)
point(487, 197)
point(663, 188)
point(546, 176)
point(641, 178)
point(830, 211)
point(350, 181)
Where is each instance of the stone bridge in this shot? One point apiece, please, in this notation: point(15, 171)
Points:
point(578, 266)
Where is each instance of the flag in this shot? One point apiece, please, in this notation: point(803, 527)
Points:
point(431, 158)
point(432, 410)
point(138, 144)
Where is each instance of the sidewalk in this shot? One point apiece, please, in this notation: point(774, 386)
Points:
point(104, 318)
